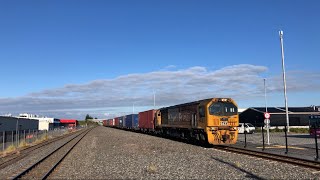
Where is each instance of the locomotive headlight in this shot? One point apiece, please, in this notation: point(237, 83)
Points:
point(214, 128)
point(223, 100)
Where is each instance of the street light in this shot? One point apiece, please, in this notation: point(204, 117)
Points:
point(284, 80)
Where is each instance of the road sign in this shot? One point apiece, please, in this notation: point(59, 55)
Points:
point(267, 121)
point(266, 115)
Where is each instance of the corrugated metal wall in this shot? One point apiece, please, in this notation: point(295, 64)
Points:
point(11, 123)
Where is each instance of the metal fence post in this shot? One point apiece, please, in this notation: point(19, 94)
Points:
point(263, 139)
point(18, 140)
point(286, 136)
point(316, 141)
point(245, 135)
point(12, 138)
point(3, 140)
point(33, 136)
point(29, 137)
point(24, 136)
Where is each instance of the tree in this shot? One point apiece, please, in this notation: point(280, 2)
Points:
point(88, 117)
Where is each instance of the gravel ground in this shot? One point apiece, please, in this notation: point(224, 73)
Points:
point(107, 153)
point(36, 156)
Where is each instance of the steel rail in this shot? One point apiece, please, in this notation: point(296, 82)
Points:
point(24, 172)
point(56, 164)
point(270, 156)
point(14, 157)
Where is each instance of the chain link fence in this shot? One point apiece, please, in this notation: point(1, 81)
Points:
point(10, 140)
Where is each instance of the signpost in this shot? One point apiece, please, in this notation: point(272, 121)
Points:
point(266, 115)
point(314, 121)
point(267, 123)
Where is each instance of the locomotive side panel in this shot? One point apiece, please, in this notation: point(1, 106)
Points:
point(182, 116)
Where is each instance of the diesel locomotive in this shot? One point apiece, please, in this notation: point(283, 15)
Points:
point(212, 121)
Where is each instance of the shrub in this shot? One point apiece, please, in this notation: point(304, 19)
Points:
point(22, 144)
point(299, 130)
point(10, 149)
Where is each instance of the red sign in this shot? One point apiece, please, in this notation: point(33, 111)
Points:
point(266, 115)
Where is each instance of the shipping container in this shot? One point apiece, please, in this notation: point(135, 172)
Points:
point(116, 122)
point(146, 120)
point(122, 122)
point(111, 122)
point(128, 121)
point(135, 121)
point(105, 123)
point(131, 121)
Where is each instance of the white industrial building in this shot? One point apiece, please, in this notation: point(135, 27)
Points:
point(45, 123)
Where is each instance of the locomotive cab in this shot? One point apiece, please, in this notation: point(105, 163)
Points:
point(221, 121)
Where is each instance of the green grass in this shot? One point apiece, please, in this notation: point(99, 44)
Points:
point(294, 130)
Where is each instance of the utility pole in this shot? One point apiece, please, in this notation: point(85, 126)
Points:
point(284, 80)
point(154, 99)
point(268, 121)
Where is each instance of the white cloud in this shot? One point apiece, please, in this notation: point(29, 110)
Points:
point(111, 96)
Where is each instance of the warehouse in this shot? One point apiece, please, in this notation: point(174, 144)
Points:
point(45, 123)
point(12, 124)
point(298, 116)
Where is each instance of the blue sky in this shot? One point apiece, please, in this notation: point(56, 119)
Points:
point(70, 58)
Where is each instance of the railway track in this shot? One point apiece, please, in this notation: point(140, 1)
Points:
point(15, 157)
point(269, 156)
point(45, 166)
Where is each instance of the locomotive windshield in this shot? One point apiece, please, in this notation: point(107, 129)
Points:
point(223, 109)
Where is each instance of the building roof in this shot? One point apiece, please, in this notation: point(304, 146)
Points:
point(281, 110)
point(68, 121)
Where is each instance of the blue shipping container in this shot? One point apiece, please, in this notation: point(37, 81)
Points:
point(135, 123)
point(132, 121)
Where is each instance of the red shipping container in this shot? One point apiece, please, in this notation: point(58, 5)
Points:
point(111, 122)
point(146, 119)
point(116, 122)
point(105, 123)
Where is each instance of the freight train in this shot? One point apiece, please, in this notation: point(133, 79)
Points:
point(211, 121)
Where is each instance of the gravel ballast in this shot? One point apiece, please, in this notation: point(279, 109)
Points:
point(33, 157)
point(107, 153)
